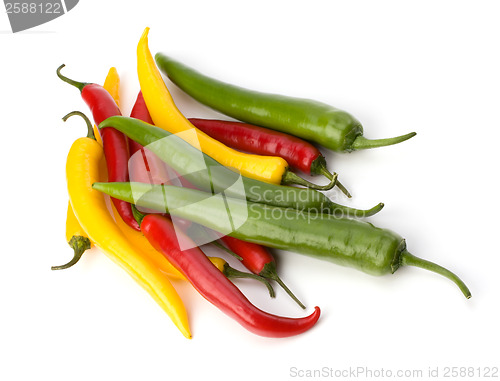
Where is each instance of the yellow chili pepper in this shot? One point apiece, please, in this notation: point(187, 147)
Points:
point(166, 115)
point(82, 170)
point(112, 84)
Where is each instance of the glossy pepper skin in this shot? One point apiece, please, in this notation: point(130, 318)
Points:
point(215, 287)
point(308, 119)
point(102, 105)
point(185, 159)
point(112, 86)
point(166, 115)
point(298, 153)
point(347, 242)
point(91, 211)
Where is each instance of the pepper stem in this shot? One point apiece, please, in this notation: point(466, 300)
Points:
point(408, 259)
point(78, 85)
point(292, 178)
point(325, 172)
point(79, 244)
point(221, 246)
point(138, 216)
point(363, 143)
point(231, 272)
point(90, 129)
point(269, 271)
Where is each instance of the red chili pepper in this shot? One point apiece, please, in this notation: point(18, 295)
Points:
point(215, 287)
point(299, 153)
point(258, 260)
point(115, 144)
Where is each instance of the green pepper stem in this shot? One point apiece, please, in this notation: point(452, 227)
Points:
point(231, 272)
point(318, 167)
point(138, 216)
point(90, 130)
point(292, 178)
point(269, 271)
point(407, 259)
point(79, 245)
point(325, 172)
point(363, 143)
point(78, 85)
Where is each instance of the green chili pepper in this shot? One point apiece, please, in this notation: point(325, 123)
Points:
point(305, 118)
point(214, 177)
point(344, 241)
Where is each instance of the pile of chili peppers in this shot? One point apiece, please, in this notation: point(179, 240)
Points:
point(176, 182)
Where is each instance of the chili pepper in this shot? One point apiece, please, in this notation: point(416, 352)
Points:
point(142, 246)
point(150, 169)
point(166, 115)
point(76, 237)
point(299, 153)
point(112, 86)
point(258, 260)
point(345, 241)
point(185, 159)
point(308, 119)
point(89, 206)
point(215, 287)
point(231, 272)
point(144, 166)
point(102, 106)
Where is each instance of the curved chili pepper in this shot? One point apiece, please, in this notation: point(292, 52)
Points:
point(258, 260)
point(89, 206)
point(102, 106)
point(215, 287)
point(184, 158)
point(166, 115)
point(345, 241)
point(315, 121)
point(299, 153)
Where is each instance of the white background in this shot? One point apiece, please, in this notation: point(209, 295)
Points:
point(428, 66)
